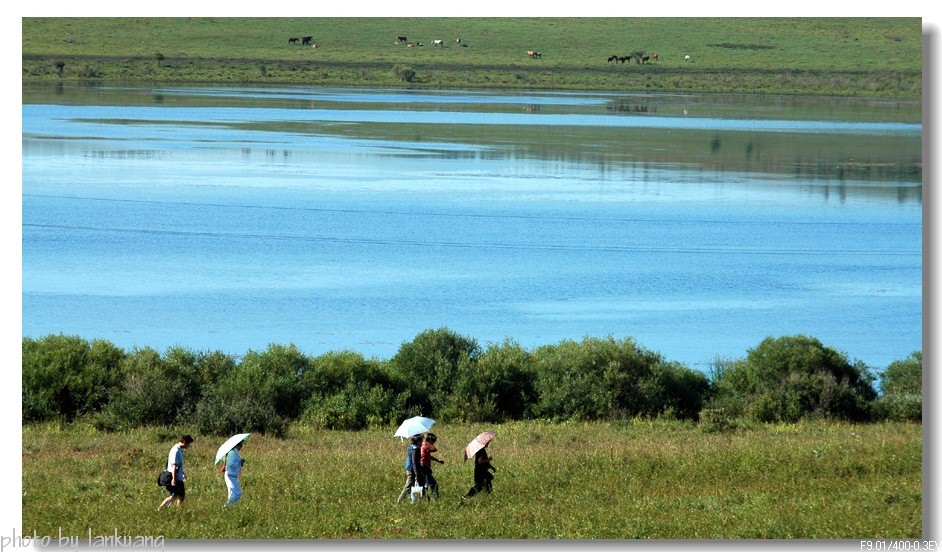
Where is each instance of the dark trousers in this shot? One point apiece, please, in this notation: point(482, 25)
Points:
point(430, 484)
point(482, 482)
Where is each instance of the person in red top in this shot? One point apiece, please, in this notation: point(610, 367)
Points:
point(425, 462)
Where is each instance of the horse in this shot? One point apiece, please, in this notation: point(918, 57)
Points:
point(292, 41)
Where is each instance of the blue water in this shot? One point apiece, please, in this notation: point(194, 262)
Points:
point(228, 228)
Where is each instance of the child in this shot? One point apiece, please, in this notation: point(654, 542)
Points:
point(425, 461)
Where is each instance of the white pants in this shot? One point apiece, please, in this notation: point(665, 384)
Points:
point(235, 491)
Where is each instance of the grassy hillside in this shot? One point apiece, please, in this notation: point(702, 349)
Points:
point(870, 57)
point(635, 479)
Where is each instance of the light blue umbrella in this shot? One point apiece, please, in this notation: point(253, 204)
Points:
point(414, 426)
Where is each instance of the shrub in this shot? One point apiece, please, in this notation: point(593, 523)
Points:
point(717, 420)
point(903, 377)
point(262, 393)
point(356, 406)
point(155, 391)
point(609, 379)
point(275, 375)
point(429, 366)
point(898, 408)
point(498, 386)
point(792, 377)
point(65, 376)
point(405, 74)
point(351, 392)
point(227, 410)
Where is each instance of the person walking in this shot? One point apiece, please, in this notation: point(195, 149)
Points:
point(413, 473)
point(482, 475)
point(425, 461)
point(232, 469)
point(176, 487)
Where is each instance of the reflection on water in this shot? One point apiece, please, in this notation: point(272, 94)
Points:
point(231, 217)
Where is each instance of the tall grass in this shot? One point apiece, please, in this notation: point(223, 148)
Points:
point(634, 479)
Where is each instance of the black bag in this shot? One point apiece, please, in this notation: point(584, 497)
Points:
point(164, 478)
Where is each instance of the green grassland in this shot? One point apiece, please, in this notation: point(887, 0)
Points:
point(832, 56)
point(625, 480)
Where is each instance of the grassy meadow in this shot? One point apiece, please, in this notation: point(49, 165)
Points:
point(621, 480)
point(834, 56)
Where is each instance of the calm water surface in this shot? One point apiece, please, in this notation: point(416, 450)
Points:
point(231, 218)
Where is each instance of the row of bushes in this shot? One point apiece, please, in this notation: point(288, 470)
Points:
point(450, 377)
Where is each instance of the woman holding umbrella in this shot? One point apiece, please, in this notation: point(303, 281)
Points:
point(232, 467)
point(477, 448)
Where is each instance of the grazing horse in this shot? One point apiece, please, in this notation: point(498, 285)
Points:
point(292, 41)
point(653, 57)
point(458, 40)
point(401, 38)
point(645, 59)
point(687, 57)
point(306, 40)
point(613, 58)
point(534, 54)
point(438, 42)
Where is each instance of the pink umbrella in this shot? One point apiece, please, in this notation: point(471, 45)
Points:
point(478, 443)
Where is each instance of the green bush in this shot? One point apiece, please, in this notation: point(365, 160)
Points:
point(405, 74)
point(351, 392)
point(609, 379)
point(65, 376)
point(498, 386)
point(356, 406)
point(155, 390)
point(227, 410)
point(793, 377)
point(718, 420)
point(903, 377)
point(262, 393)
point(429, 364)
point(898, 408)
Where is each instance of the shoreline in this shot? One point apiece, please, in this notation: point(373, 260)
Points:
point(883, 84)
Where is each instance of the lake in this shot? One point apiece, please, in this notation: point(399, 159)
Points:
point(229, 218)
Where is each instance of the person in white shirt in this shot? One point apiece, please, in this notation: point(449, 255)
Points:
point(233, 467)
point(175, 467)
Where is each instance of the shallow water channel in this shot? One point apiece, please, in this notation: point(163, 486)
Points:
point(230, 218)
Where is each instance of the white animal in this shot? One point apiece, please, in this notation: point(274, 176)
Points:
point(687, 57)
point(438, 42)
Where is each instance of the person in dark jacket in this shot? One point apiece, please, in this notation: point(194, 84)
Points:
point(482, 473)
point(413, 468)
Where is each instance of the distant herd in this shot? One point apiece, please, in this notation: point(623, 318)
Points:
point(638, 57)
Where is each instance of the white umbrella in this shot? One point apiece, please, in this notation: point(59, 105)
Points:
point(229, 445)
point(414, 426)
